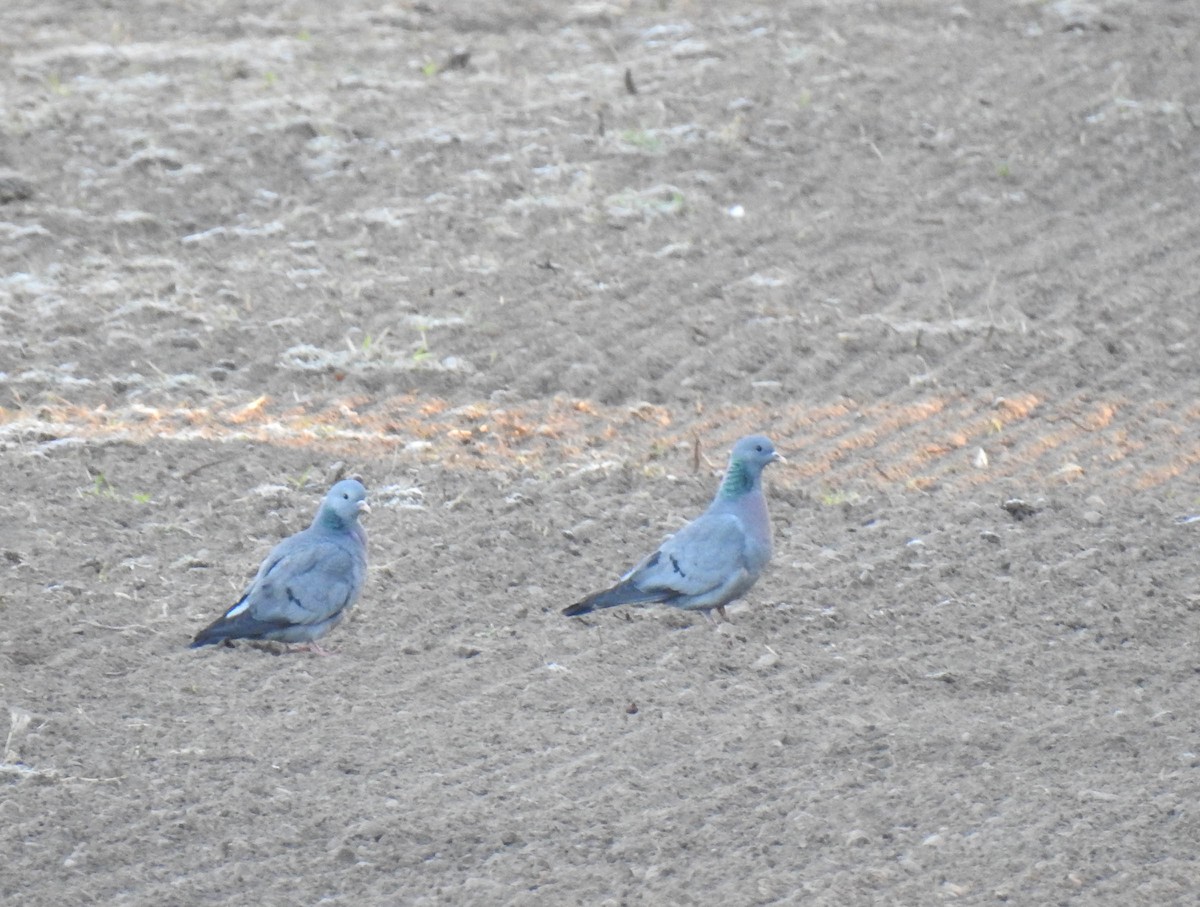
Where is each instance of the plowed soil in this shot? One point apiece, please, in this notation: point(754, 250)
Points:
point(530, 269)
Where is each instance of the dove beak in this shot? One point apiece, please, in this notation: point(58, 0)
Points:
point(778, 458)
point(364, 507)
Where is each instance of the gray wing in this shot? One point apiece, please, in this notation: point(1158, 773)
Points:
point(706, 555)
point(304, 583)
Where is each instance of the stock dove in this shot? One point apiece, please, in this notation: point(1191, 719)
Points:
point(712, 560)
point(308, 581)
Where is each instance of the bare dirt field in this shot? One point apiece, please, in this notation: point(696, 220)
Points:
point(530, 269)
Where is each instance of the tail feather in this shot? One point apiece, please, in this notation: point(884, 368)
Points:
point(623, 593)
point(243, 626)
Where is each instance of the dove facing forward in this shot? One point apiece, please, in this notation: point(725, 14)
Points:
point(712, 560)
point(308, 581)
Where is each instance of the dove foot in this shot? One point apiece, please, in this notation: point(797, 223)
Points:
point(712, 621)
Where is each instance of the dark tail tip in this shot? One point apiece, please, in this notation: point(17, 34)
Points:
point(205, 637)
point(623, 593)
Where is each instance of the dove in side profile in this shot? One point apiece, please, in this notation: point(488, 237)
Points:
point(308, 581)
point(712, 560)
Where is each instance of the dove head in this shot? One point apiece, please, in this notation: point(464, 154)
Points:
point(342, 505)
point(750, 456)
